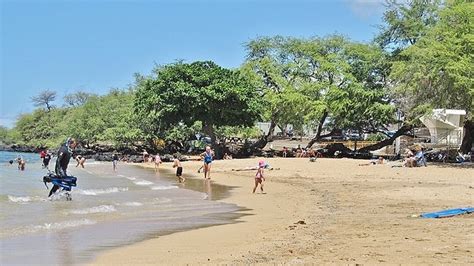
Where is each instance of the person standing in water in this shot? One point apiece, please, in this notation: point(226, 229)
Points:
point(179, 169)
point(21, 163)
point(80, 160)
point(115, 161)
point(207, 156)
point(64, 156)
point(157, 161)
point(46, 159)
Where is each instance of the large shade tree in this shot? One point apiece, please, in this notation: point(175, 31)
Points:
point(182, 93)
point(405, 23)
point(319, 80)
point(437, 71)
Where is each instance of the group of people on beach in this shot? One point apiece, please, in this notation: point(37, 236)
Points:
point(207, 158)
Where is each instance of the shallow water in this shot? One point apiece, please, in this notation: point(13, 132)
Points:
point(109, 209)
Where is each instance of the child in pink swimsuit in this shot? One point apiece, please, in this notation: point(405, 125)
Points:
point(259, 178)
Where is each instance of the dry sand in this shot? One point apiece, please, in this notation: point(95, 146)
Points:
point(328, 211)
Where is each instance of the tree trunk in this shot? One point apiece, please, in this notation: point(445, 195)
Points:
point(468, 137)
point(208, 129)
point(402, 131)
point(262, 142)
point(320, 129)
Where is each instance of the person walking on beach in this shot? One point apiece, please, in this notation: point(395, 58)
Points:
point(115, 160)
point(179, 169)
point(64, 156)
point(259, 178)
point(207, 156)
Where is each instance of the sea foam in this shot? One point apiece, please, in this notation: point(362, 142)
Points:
point(163, 187)
point(62, 225)
point(143, 183)
point(24, 200)
point(94, 192)
point(96, 209)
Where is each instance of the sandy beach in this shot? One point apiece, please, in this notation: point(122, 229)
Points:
point(328, 211)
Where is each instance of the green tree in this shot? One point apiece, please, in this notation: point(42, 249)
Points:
point(308, 81)
point(7, 136)
point(278, 71)
point(107, 118)
point(41, 128)
point(182, 93)
point(77, 98)
point(437, 71)
point(405, 22)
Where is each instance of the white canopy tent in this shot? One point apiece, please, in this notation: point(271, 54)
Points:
point(445, 126)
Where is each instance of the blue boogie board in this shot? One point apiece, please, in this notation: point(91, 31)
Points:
point(65, 183)
point(447, 213)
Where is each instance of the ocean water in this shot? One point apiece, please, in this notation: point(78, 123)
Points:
point(109, 209)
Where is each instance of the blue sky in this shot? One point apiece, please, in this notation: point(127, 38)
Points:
point(95, 45)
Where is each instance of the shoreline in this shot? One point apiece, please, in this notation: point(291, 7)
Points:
point(330, 211)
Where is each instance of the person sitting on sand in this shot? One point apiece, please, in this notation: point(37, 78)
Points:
point(313, 155)
point(179, 169)
point(417, 160)
point(285, 152)
point(408, 156)
point(227, 156)
point(299, 151)
point(420, 157)
point(259, 178)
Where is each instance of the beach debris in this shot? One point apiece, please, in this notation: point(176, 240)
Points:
point(300, 222)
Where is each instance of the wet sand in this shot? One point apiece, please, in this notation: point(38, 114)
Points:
point(329, 211)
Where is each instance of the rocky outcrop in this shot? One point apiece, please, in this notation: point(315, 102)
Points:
point(18, 148)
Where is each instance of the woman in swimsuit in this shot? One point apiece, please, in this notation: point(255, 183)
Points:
point(207, 156)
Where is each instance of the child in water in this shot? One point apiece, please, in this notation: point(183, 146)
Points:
point(259, 178)
point(179, 169)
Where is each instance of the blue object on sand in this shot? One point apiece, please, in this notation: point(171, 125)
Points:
point(447, 213)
